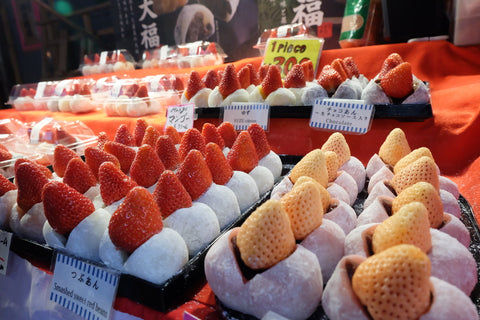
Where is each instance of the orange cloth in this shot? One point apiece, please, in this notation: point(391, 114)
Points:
point(452, 134)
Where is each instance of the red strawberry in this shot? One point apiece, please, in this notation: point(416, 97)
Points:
point(151, 136)
point(123, 153)
point(259, 139)
point(228, 133)
point(142, 92)
point(23, 92)
point(337, 64)
point(64, 206)
point(244, 77)
point(272, 81)
point(102, 138)
point(329, 79)
point(124, 136)
point(121, 57)
point(167, 152)
point(295, 77)
point(170, 195)
point(5, 154)
point(194, 174)
point(85, 90)
point(218, 164)
point(95, 157)
point(42, 168)
point(132, 89)
point(229, 82)
point(32, 92)
point(211, 79)
point(135, 221)
point(398, 82)
point(139, 131)
point(389, 63)
point(174, 134)
point(194, 85)
point(262, 73)
point(87, 60)
point(350, 67)
point(243, 156)
point(96, 58)
point(211, 48)
point(6, 185)
point(30, 181)
point(114, 184)
point(209, 131)
point(192, 139)
point(79, 176)
point(308, 71)
point(178, 84)
point(254, 78)
point(147, 167)
point(61, 156)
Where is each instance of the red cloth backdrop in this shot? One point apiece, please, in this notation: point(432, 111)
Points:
point(452, 134)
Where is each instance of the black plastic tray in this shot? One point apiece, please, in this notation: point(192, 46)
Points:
point(467, 217)
point(403, 112)
point(173, 292)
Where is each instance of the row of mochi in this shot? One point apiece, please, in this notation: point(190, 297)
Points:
point(341, 79)
point(197, 189)
point(294, 253)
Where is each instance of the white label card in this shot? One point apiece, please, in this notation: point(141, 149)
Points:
point(5, 241)
point(181, 117)
point(352, 116)
point(103, 57)
point(40, 90)
point(242, 114)
point(83, 288)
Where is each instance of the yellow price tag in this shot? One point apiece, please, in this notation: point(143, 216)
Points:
point(288, 52)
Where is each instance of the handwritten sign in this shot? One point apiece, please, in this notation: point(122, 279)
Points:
point(288, 52)
point(181, 117)
point(83, 288)
point(5, 241)
point(241, 115)
point(353, 116)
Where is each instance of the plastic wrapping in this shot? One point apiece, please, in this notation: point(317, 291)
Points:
point(37, 140)
point(107, 62)
point(297, 30)
point(190, 55)
point(141, 97)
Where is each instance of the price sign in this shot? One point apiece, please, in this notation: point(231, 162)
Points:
point(83, 288)
point(241, 115)
point(181, 117)
point(288, 52)
point(5, 241)
point(353, 116)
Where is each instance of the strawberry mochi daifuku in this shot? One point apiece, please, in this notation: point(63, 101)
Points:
point(395, 83)
point(272, 91)
point(305, 90)
point(8, 198)
point(229, 89)
point(342, 79)
point(137, 243)
point(397, 281)
point(266, 156)
point(241, 183)
point(194, 221)
point(72, 223)
point(243, 157)
point(197, 180)
point(196, 91)
point(27, 215)
point(270, 272)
